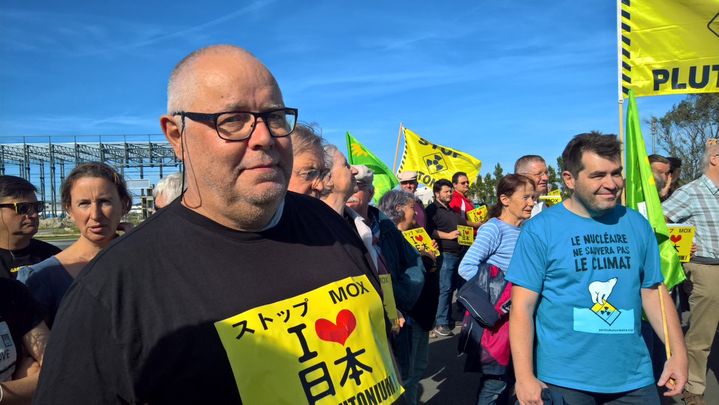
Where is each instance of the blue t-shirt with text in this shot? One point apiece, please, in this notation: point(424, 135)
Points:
point(588, 273)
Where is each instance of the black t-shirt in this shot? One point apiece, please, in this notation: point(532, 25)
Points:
point(443, 219)
point(18, 316)
point(138, 323)
point(35, 252)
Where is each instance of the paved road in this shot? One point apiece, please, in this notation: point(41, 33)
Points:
point(447, 384)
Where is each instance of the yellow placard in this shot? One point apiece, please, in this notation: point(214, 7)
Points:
point(325, 346)
point(466, 235)
point(670, 46)
point(419, 238)
point(478, 214)
point(390, 306)
point(682, 238)
point(552, 198)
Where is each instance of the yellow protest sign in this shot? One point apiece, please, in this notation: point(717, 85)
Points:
point(466, 235)
point(552, 198)
point(478, 214)
point(433, 162)
point(682, 237)
point(419, 238)
point(670, 47)
point(390, 306)
point(325, 346)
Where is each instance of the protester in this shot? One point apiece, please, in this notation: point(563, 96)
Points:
point(460, 202)
point(167, 190)
point(442, 225)
point(535, 167)
point(484, 266)
point(22, 347)
point(676, 171)
point(697, 204)
point(399, 207)
point(408, 183)
point(339, 183)
point(394, 255)
point(95, 197)
point(661, 169)
point(234, 292)
point(19, 221)
point(308, 169)
point(590, 267)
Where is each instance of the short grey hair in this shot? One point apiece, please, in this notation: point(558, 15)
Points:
point(390, 202)
point(329, 163)
point(170, 186)
point(712, 148)
point(520, 166)
point(307, 138)
point(182, 82)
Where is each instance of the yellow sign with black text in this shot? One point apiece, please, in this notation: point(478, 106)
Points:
point(466, 235)
point(478, 214)
point(419, 238)
point(670, 46)
point(326, 346)
point(682, 238)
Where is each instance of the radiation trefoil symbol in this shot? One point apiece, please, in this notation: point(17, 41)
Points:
point(435, 163)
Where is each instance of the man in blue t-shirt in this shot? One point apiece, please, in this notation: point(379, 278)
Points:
point(589, 267)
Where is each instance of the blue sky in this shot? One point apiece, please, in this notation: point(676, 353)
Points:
point(494, 79)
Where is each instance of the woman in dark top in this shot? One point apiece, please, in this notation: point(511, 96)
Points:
point(95, 197)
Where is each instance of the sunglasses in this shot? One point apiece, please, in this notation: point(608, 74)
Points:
point(25, 208)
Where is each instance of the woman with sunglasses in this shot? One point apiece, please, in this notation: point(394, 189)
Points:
point(95, 197)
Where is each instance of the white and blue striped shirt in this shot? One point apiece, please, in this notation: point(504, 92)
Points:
point(494, 244)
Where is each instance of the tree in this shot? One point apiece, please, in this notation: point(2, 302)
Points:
point(683, 131)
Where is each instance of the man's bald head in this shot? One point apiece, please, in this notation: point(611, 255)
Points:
point(190, 70)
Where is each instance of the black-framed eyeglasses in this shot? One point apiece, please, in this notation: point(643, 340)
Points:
point(25, 208)
point(239, 125)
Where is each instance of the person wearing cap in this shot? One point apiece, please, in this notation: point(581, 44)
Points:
point(392, 254)
point(408, 182)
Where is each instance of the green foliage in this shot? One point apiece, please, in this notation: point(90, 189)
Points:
point(683, 131)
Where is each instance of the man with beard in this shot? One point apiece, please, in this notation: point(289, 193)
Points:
point(589, 267)
point(442, 224)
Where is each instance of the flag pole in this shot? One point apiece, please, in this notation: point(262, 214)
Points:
point(620, 94)
point(396, 150)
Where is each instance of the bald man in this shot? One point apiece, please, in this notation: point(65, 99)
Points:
point(236, 292)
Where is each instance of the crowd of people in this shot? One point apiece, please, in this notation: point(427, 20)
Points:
point(268, 275)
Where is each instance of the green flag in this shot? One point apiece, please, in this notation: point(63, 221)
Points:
point(384, 179)
point(642, 195)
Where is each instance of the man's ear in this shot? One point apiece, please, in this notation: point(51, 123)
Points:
point(568, 179)
point(173, 134)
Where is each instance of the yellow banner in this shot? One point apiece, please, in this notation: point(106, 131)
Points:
point(433, 162)
point(326, 346)
point(682, 238)
point(466, 235)
point(670, 46)
point(419, 238)
point(478, 214)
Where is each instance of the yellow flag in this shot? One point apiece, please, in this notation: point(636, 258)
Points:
point(670, 46)
point(433, 162)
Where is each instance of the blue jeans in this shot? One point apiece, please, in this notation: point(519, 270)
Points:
point(412, 351)
point(447, 284)
point(648, 395)
point(491, 387)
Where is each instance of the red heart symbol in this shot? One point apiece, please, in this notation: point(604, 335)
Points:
point(419, 238)
point(675, 238)
point(336, 332)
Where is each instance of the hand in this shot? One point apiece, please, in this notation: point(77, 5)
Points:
point(693, 250)
point(454, 234)
point(529, 392)
point(674, 377)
